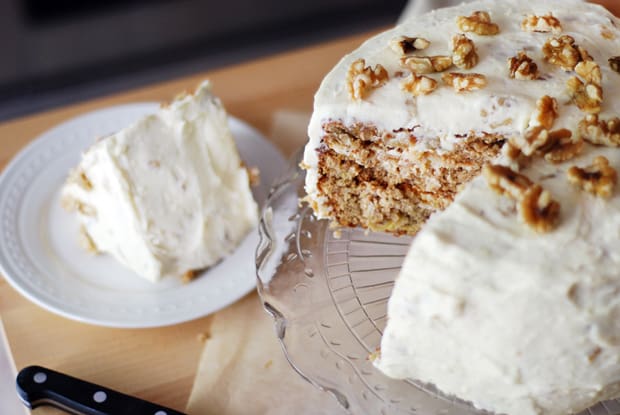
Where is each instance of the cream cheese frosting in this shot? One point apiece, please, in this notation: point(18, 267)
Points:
point(516, 321)
point(503, 107)
point(168, 194)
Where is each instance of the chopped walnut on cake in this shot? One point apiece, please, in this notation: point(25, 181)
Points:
point(522, 67)
point(362, 79)
point(479, 22)
point(546, 112)
point(600, 132)
point(535, 205)
point(562, 51)
point(590, 71)
point(542, 24)
point(405, 45)
point(555, 146)
point(565, 147)
point(505, 181)
point(419, 85)
point(538, 210)
point(599, 178)
point(587, 97)
point(464, 82)
point(464, 55)
point(422, 65)
point(534, 139)
point(441, 63)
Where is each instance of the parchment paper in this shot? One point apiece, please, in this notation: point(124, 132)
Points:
point(243, 370)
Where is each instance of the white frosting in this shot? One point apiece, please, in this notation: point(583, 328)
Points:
point(447, 114)
point(169, 192)
point(517, 322)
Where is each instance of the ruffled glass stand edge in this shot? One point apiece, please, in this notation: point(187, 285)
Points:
point(328, 297)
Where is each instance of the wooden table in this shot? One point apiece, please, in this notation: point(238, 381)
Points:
point(154, 364)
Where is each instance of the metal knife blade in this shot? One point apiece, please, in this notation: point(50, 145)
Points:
point(38, 386)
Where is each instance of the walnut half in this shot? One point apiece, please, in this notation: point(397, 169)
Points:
point(464, 82)
point(598, 178)
point(588, 97)
point(522, 67)
point(564, 147)
point(600, 132)
point(555, 146)
point(505, 181)
point(562, 51)
point(537, 209)
point(546, 112)
point(419, 85)
point(590, 71)
point(542, 24)
point(464, 55)
point(535, 139)
point(405, 45)
point(362, 79)
point(479, 22)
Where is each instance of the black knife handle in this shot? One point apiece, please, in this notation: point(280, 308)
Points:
point(38, 386)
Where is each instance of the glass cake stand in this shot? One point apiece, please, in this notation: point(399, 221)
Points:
point(328, 296)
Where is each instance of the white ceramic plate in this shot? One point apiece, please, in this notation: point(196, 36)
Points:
point(39, 251)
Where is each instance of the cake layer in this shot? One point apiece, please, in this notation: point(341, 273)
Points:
point(370, 179)
point(167, 195)
point(362, 197)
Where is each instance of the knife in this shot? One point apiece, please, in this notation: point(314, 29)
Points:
point(39, 386)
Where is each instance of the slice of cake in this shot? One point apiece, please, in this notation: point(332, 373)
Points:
point(500, 122)
point(167, 195)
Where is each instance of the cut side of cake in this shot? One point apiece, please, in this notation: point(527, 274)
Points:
point(168, 195)
point(490, 131)
point(398, 128)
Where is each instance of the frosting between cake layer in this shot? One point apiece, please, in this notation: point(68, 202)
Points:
point(167, 194)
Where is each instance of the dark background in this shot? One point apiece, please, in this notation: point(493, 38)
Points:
point(54, 52)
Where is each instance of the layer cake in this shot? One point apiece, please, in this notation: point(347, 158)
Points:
point(490, 131)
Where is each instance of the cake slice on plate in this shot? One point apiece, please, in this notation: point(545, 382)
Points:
point(168, 195)
point(499, 122)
